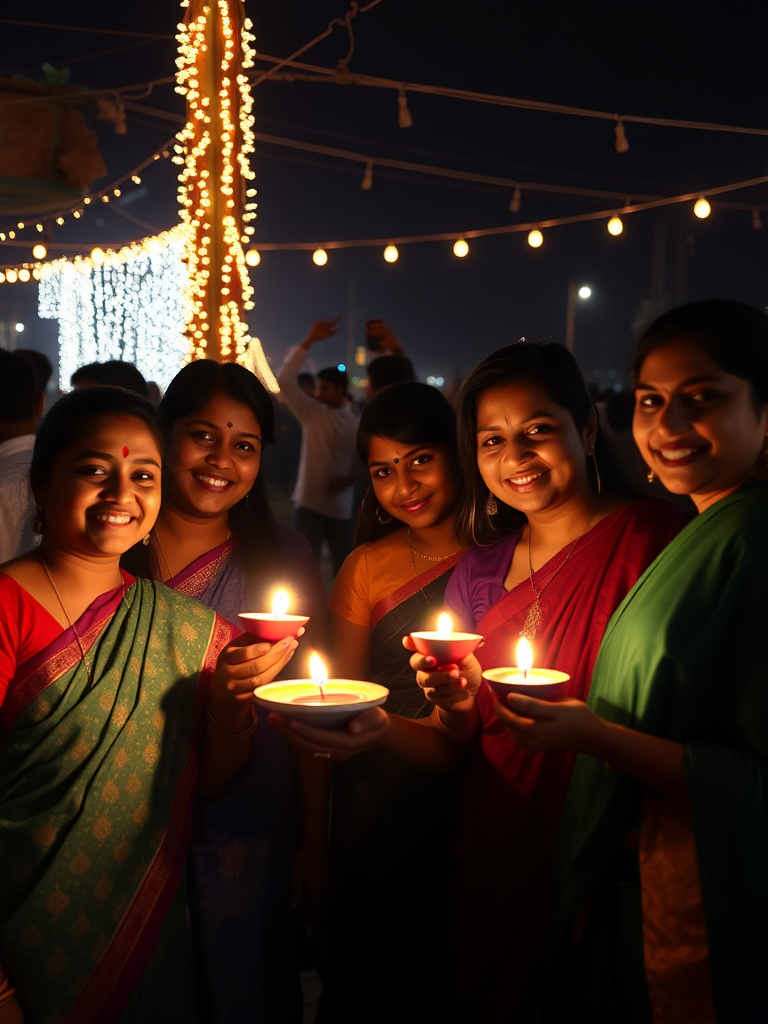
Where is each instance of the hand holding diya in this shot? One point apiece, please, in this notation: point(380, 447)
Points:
point(543, 683)
point(322, 702)
point(443, 644)
point(275, 625)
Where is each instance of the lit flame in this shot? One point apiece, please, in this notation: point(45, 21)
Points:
point(444, 625)
point(524, 655)
point(317, 669)
point(280, 602)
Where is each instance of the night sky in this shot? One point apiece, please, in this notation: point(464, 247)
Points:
point(703, 62)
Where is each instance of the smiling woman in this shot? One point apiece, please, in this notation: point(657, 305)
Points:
point(216, 539)
point(93, 664)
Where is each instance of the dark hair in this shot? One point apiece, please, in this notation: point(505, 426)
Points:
point(733, 335)
point(68, 420)
point(409, 414)
point(250, 520)
point(19, 389)
point(41, 364)
point(386, 370)
point(305, 377)
point(114, 373)
point(553, 369)
point(333, 375)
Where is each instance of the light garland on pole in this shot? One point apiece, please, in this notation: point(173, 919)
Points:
point(213, 150)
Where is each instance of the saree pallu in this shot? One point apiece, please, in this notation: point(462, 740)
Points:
point(684, 658)
point(395, 823)
point(244, 842)
point(512, 798)
point(97, 779)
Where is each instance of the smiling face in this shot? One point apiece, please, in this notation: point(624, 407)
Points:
point(416, 485)
point(103, 495)
point(529, 452)
point(215, 458)
point(697, 426)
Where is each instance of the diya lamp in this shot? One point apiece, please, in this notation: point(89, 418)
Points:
point(544, 683)
point(445, 645)
point(275, 625)
point(322, 702)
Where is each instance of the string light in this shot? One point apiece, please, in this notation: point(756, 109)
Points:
point(702, 208)
point(621, 144)
point(535, 238)
point(615, 225)
point(215, 46)
point(253, 257)
point(367, 183)
point(460, 248)
point(39, 251)
point(24, 275)
point(319, 257)
point(11, 275)
point(391, 254)
point(514, 202)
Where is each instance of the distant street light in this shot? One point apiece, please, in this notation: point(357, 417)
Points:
point(583, 292)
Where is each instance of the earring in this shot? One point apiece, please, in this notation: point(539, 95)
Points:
point(247, 502)
point(39, 521)
point(597, 472)
point(382, 519)
point(491, 505)
point(650, 476)
point(146, 540)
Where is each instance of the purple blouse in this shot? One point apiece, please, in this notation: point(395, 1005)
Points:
point(477, 582)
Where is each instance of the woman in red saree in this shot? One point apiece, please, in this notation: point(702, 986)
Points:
point(119, 700)
point(558, 549)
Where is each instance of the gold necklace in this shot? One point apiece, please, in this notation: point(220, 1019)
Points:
point(172, 576)
point(430, 558)
point(88, 668)
point(534, 617)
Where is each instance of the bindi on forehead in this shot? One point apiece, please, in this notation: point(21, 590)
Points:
point(229, 424)
point(126, 452)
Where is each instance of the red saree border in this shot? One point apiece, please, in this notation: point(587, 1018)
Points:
point(110, 986)
point(386, 604)
point(62, 654)
point(206, 566)
point(521, 596)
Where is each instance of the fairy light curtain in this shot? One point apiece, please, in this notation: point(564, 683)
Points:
point(122, 305)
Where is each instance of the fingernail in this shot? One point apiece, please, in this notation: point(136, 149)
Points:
point(262, 648)
point(454, 673)
point(463, 684)
point(431, 661)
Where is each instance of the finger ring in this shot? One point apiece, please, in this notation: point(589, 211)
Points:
point(320, 753)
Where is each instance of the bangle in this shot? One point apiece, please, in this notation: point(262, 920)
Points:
point(224, 734)
point(7, 992)
point(449, 730)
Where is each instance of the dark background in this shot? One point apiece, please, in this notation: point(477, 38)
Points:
point(693, 61)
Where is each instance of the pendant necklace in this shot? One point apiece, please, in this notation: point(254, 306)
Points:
point(88, 668)
point(429, 558)
point(534, 616)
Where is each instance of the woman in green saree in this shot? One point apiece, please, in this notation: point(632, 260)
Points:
point(119, 699)
point(666, 823)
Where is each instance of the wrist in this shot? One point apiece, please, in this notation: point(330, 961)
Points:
point(232, 724)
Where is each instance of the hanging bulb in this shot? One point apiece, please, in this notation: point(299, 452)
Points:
point(319, 257)
point(615, 225)
point(756, 222)
point(39, 251)
point(514, 202)
point(253, 258)
point(11, 276)
point(460, 248)
point(702, 208)
point(391, 254)
point(404, 115)
point(621, 138)
point(97, 255)
point(535, 238)
point(367, 182)
point(24, 275)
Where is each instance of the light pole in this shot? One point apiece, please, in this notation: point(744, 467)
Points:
point(574, 292)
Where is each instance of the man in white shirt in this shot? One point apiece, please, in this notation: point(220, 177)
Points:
point(21, 403)
point(324, 492)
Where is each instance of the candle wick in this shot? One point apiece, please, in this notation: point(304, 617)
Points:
point(322, 691)
point(525, 674)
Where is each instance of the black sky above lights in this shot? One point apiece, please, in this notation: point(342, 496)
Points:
point(702, 62)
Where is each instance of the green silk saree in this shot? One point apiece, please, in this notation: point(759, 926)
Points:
point(684, 658)
point(96, 788)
